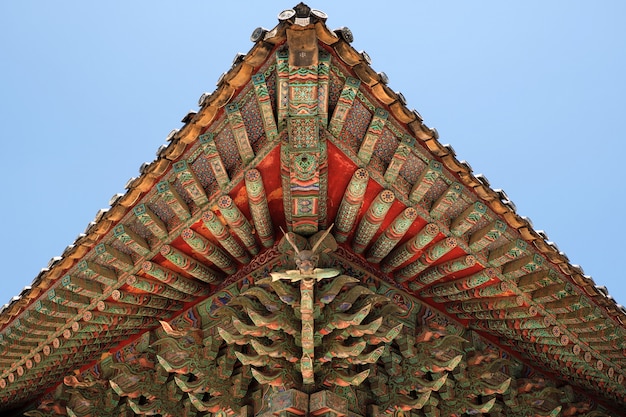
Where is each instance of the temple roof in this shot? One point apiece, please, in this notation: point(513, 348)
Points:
point(400, 203)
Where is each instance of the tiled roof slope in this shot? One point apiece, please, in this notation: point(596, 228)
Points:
point(587, 337)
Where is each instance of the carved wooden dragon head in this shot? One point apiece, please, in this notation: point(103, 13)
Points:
point(307, 259)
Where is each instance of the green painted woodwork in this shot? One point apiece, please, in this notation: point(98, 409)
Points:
point(399, 158)
point(351, 204)
point(426, 180)
point(429, 256)
point(487, 235)
point(215, 161)
point(114, 257)
point(374, 132)
point(189, 265)
point(507, 252)
point(392, 235)
point(468, 219)
point(174, 201)
point(209, 251)
point(439, 271)
point(370, 223)
point(446, 201)
point(343, 106)
point(239, 131)
point(323, 80)
point(238, 223)
point(132, 240)
point(410, 248)
point(190, 183)
point(157, 288)
point(257, 200)
point(208, 315)
point(265, 106)
point(211, 222)
point(150, 220)
point(175, 281)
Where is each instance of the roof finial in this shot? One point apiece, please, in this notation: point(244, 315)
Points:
point(302, 15)
point(302, 11)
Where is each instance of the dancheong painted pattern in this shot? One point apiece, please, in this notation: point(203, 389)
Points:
point(304, 245)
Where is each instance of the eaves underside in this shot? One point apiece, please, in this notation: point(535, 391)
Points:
point(158, 209)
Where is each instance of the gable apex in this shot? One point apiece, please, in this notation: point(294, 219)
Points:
point(304, 154)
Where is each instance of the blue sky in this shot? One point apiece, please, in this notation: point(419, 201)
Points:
point(532, 94)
